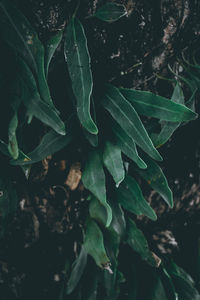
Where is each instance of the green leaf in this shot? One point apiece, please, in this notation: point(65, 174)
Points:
point(190, 83)
point(12, 138)
point(78, 62)
point(51, 143)
point(165, 134)
point(191, 101)
point(113, 161)
point(178, 95)
point(50, 47)
point(156, 179)
point(130, 196)
point(98, 211)
point(13, 124)
point(112, 280)
point(168, 128)
point(151, 105)
point(157, 291)
point(93, 178)
point(94, 244)
point(4, 150)
point(112, 242)
point(183, 283)
point(92, 138)
point(111, 12)
point(35, 106)
point(175, 270)
point(118, 224)
point(194, 74)
point(112, 284)
point(127, 145)
point(168, 284)
point(137, 241)
point(77, 271)
point(8, 201)
point(126, 116)
point(45, 113)
point(21, 36)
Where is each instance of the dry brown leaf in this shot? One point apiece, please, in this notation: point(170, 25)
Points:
point(157, 259)
point(74, 176)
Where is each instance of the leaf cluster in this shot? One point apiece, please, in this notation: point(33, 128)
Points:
point(110, 120)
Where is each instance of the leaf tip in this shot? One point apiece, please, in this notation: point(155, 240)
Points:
point(158, 157)
point(195, 115)
point(62, 131)
point(91, 127)
point(94, 131)
point(153, 216)
point(142, 165)
point(171, 202)
point(109, 216)
point(108, 222)
point(119, 181)
point(169, 198)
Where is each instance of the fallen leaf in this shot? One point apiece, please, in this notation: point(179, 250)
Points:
point(74, 176)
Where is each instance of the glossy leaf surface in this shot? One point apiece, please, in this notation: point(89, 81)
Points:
point(151, 105)
point(157, 180)
point(97, 211)
point(127, 145)
point(4, 150)
point(118, 224)
point(92, 138)
point(137, 241)
point(113, 161)
point(78, 62)
point(35, 106)
point(183, 283)
point(94, 244)
point(50, 47)
point(93, 178)
point(110, 12)
point(51, 143)
point(126, 116)
point(130, 196)
point(168, 128)
point(168, 284)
